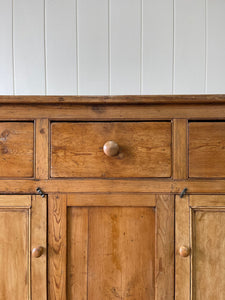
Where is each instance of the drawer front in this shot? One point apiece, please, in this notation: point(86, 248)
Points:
point(144, 149)
point(207, 149)
point(16, 149)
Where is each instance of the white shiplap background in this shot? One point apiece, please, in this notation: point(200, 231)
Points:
point(108, 47)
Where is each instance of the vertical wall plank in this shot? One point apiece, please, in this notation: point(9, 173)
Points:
point(57, 247)
point(157, 47)
point(42, 148)
point(125, 46)
point(6, 50)
point(216, 46)
point(189, 32)
point(93, 47)
point(180, 165)
point(28, 21)
point(61, 56)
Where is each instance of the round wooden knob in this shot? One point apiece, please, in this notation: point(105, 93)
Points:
point(37, 252)
point(184, 251)
point(111, 148)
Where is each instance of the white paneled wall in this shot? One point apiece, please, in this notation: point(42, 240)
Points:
point(112, 47)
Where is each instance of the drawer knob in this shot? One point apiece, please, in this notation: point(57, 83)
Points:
point(37, 252)
point(111, 148)
point(184, 251)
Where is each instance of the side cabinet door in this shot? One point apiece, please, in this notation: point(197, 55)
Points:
point(22, 230)
point(118, 246)
point(200, 247)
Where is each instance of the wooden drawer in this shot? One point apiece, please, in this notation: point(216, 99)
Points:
point(207, 149)
point(144, 149)
point(16, 149)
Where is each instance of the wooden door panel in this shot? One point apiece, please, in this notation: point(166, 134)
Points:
point(206, 149)
point(16, 149)
point(23, 226)
point(208, 254)
point(200, 224)
point(119, 246)
point(14, 254)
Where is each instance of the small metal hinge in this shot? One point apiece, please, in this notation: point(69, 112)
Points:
point(40, 192)
point(183, 193)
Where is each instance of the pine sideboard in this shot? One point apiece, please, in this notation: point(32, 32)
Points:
point(118, 197)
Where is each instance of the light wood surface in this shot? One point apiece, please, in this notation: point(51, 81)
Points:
point(15, 201)
point(180, 127)
point(182, 237)
point(14, 254)
point(164, 274)
point(77, 252)
point(206, 149)
point(208, 250)
point(22, 227)
point(120, 251)
point(39, 240)
point(57, 244)
point(144, 149)
point(16, 149)
point(83, 199)
point(42, 146)
point(122, 112)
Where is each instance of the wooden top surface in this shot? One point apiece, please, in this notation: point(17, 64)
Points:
point(126, 99)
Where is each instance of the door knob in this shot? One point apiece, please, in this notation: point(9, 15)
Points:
point(184, 251)
point(37, 252)
point(111, 148)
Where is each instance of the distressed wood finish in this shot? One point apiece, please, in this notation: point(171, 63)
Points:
point(182, 272)
point(200, 225)
point(120, 251)
point(112, 219)
point(206, 149)
point(57, 239)
point(16, 149)
point(14, 254)
point(180, 149)
point(23, 225)
point(144, 149)
point(39, 239)
point(42, 146)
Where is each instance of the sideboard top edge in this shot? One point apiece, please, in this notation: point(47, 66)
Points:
point(124, 99)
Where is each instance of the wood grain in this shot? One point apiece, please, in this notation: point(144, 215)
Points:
point(15, 201)
point(124, 112)
point(14, 254)
point(182, 271)
point(145, 149)
point(121, 260)
point(16, 149)
point(39, 238)
point(207, 201)
point(180, 149)
point(164, 277)
point(42, 155)
point(208, 251)
point(121, 99)
point(206, 149)
point(57, 240)
point(111, 200)
point(77, 253)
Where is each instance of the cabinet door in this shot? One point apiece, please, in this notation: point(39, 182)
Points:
point(118, 246)
point(200, 247)
point(22, 247)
